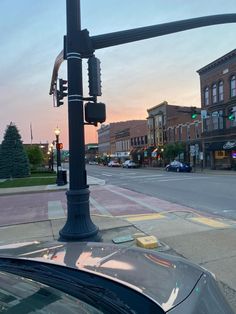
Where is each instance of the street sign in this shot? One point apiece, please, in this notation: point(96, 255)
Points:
point(192, 150)
point(203, 114)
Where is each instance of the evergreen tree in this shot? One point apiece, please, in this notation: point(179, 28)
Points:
point(13, 158)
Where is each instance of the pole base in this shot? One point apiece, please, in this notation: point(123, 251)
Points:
point(79, 226)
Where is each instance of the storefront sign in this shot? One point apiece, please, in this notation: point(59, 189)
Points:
point(229, 145)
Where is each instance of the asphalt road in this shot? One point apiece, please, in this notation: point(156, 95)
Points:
point(211, 193)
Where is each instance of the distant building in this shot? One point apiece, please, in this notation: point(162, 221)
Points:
point(171, 124)
point(91, 152)
point(218, 98)
point(118, 139)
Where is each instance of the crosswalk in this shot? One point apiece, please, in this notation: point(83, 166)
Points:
point(131, 176)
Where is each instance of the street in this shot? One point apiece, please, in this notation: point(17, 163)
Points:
point(210, 193)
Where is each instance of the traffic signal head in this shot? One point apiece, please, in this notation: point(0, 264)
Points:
point(94, 74)
point(231, 114)
point(193, 113)
point(59, 99)
point(59, 146)
point(62, 88)
point(60, 92)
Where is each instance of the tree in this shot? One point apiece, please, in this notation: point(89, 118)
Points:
point(35, 156)
point(14, 162)
point(172, 151)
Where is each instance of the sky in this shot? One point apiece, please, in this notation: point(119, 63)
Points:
point(135, 76)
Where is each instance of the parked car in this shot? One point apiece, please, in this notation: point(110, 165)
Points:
point(114, 163)
point(80, 277)
point(129, 164)
point(92, 162)
point(178, 166)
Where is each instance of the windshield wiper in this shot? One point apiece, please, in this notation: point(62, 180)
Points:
point(107, 295)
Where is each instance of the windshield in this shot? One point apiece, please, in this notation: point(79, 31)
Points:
point(118, 126)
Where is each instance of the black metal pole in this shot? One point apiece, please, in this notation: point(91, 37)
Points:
point(59, 172)
point(52, 160)
point(79, 224)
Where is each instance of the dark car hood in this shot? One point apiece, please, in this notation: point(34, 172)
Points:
point(165, 278)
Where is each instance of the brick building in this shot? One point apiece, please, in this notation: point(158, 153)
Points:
point(118, 139)
point(218, 98)
point(171, 124)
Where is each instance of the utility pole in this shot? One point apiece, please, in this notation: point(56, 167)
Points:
point(79, 224)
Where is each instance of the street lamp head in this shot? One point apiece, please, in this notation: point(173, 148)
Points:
point(57, 131)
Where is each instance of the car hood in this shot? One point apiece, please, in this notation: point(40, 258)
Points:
point(165, 278)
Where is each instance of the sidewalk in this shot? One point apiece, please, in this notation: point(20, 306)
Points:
point(204, 240)
point(43, 188)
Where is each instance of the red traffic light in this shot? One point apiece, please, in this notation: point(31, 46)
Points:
point(59, 146)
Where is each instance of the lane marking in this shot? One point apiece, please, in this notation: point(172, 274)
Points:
point(133, 199)
point(148, 176)
point(99, 207)
point(55, 210)
point(142, 217)
point(106, 174)
point(210, 222)
point(179, 179)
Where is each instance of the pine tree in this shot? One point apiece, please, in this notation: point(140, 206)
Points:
point(13, 158)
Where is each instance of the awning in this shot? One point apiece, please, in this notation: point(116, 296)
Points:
point(154, 152)
point(230, 145)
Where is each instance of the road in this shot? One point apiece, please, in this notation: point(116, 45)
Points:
point(210, 193)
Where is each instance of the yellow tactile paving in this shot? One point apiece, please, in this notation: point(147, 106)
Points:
point(210, 222)
point(142, 217)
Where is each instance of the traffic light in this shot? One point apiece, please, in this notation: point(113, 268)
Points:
point(231, 114)
point(61, 92)
point(59, 101)
point(193, 112)
point(59, 145)
point(94, 74)
point(62, 88)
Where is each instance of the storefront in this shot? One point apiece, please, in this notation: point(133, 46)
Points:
point(221, 155)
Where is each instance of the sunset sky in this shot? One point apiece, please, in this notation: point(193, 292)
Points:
point(135, 76)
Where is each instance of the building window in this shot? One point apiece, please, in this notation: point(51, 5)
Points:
point(146, 139)
point(206, 96)
point(221, 120)
point(214, 94)
point(221, 91)
point(196, 130)
point(188, 132)
point(180, 133)
point(233, 86)
point(215, 120)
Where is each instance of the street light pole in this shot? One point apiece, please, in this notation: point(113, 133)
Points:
point(79, 224)
point(59, 173)
point(52, 157)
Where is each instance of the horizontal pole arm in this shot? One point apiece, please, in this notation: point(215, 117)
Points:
point(127, 36)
